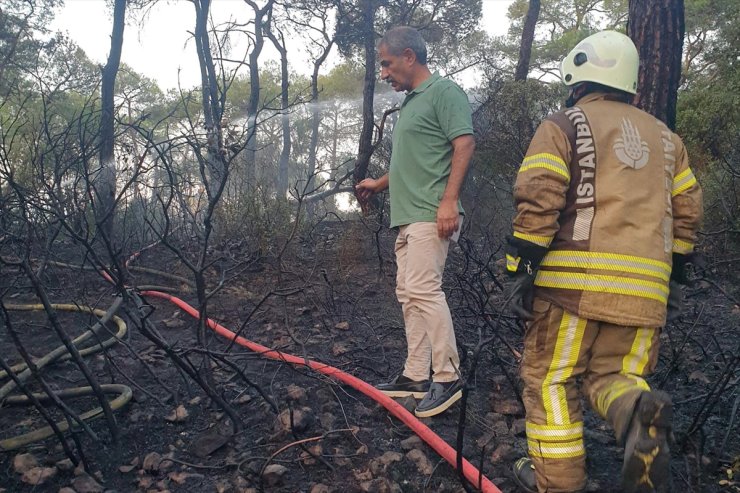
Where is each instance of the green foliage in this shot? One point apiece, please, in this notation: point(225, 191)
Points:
point(504, 125)
point(560, 26)
point(708, 115)
point(344, 81)
point(237, 96)
point(257, 219)
point(440, 21)
point(21, 23)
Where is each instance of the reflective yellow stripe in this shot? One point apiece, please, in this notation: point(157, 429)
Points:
point(563, 450)
point(555, 433)
point(681, 246)
point(616, 390)
point(547, 161)
point(603, 284)
point(608, 261)
point(633, 367)
point(634, 363)
point(683, 181)
point(512, 263)
point(543, 241)
point(564, 358)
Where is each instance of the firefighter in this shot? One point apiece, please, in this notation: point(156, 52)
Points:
point(607, 211)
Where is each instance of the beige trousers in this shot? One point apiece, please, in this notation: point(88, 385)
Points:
point(612, 359)
point(421, 256)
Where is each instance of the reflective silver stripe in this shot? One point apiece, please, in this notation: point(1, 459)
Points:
point(582, 225)
point(683, 181)
point(608, 261)
point(546, 161)
point(556, 450)
point(549, 432)
point(603, 284)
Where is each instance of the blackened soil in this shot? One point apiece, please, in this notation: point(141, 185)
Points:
point(331, 299)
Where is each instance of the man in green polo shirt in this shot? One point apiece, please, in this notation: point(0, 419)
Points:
point(432, 146)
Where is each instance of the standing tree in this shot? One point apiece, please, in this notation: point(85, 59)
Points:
point(357, 28)
point(261, 16)
point(105, 183)
point(278, 40)
point(525, 48)
point(657, 28)
point(312, 16)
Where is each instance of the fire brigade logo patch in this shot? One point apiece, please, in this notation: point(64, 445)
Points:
point(631, 150)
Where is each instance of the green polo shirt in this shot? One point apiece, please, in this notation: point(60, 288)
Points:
point(431, 116)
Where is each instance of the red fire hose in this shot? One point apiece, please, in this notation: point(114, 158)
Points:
point(440, 446)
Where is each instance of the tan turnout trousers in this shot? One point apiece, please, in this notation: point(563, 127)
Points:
point(559, 347)
point(421, 256)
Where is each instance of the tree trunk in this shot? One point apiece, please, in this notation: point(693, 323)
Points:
point(281, 183)
point(315, 124)
point(657, 28)
point(215, 177)
point(365, 150)
point(254, 90)
point(105, 182)
point(525, 48)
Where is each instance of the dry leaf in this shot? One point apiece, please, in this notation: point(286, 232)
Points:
point(38, 475)
point(151, 462)
point(178, 477)
point(178, 415)
point(698, 375)
point(24, 462)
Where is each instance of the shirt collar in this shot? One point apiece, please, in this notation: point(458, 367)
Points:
point(425, 85)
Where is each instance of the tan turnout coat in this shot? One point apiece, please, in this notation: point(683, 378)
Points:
point(608, 189)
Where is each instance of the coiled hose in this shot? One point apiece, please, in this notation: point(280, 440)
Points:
point(61, 354)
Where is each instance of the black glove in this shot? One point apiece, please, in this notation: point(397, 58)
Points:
point(675, 301)
point(522, 260)
point(679, 273)
point(520, 293)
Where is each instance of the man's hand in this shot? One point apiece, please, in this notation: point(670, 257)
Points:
point(369, 187)
point(448, 218)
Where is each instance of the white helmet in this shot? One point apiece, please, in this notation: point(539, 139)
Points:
point(608, 58)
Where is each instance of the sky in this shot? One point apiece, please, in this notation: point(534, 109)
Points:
point(160, 46)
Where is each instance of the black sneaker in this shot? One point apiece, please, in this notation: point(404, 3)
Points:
point(402, 386)
point(439, 398)
point(524, 475)
point(646, 467)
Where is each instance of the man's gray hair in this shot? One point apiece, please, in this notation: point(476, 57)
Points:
point(399, 38)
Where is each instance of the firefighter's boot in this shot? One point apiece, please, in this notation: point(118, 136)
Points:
point(523, 471)
point(647, 456)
